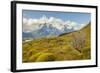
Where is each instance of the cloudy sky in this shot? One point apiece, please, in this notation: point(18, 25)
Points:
point(33, 17)
point(80, 18)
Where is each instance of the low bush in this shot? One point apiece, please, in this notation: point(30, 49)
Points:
point(34, 57)
point(45, 57)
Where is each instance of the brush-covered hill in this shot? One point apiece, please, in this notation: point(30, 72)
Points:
point(69, 46)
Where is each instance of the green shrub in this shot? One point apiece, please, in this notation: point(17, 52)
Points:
point(34, 57)
point(87, 53)
point(31, 52)
point(45, 57)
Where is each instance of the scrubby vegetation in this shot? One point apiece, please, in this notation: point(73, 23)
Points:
point(70, 46)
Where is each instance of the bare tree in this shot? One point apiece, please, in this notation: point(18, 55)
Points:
point(78, 41)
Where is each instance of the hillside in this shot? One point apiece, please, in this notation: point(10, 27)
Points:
point(71, 46)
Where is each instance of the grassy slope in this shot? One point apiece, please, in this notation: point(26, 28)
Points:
point(56, 48)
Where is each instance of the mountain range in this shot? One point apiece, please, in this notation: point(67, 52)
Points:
point(47, 27)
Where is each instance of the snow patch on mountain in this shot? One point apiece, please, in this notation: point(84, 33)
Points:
point(45, 26)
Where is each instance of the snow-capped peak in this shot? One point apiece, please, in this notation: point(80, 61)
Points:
point(36, 24)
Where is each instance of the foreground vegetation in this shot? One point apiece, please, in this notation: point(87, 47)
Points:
point(69, 46)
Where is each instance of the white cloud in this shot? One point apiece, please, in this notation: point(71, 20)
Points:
point(57, 23)
point(24, 21)
point(70, 24)
point(30, 25)
point(51, 19)
point(78, 27)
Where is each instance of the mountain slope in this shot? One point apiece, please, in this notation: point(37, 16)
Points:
point(63, 47)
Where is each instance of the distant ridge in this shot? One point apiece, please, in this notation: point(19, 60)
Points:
point(77, 30)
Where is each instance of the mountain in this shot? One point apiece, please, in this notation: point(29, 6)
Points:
point(45, 31)
point(44, 27)
point(61, 47)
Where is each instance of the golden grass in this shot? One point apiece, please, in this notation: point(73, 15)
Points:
point(56, 48)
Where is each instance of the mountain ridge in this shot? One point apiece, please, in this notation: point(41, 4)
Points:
point(44, 27)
